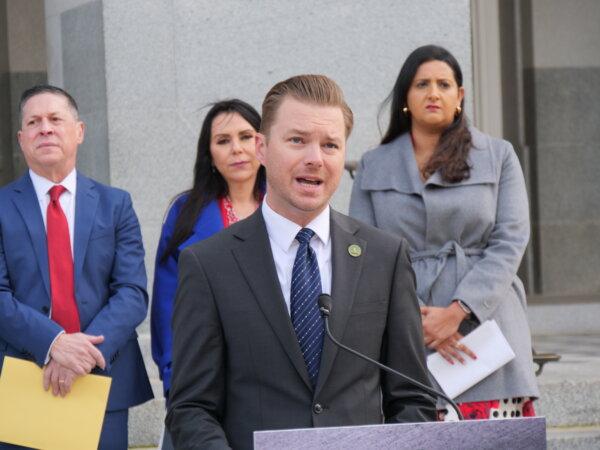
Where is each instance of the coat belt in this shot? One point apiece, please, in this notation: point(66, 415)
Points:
point(426, 280)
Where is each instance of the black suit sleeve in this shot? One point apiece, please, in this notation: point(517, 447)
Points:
point(197, 396)
point(404, 350)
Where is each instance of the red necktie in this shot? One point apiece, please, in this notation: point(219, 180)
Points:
point(60, 262)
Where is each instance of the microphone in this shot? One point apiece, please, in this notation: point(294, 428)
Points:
point(325, 306)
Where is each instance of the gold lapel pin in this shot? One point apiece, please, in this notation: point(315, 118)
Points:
point(355, 250)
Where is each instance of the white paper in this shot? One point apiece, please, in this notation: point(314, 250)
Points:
point(492, 350)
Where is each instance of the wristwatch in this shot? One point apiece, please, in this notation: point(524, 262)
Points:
point(464, 307)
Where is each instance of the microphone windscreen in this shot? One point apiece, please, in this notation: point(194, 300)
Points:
point(325, 302)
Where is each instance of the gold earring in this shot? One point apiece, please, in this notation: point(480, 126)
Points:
point(405, 110)
point(458, 110)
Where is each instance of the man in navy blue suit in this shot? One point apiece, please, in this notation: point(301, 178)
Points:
point(72, 275)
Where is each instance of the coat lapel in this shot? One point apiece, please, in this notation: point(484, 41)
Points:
point(255, 260)
point(26, 202)
point(346, 272)
point(86, 203)
point(392, 167)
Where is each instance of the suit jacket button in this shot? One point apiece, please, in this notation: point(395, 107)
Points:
point(45, 309)
point(317, 409)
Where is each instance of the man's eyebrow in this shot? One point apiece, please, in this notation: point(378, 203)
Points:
point(334, 136)
point(51, 113)
point(298, 131)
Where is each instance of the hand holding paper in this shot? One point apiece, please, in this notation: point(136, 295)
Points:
point(59, 378)
point(439, 324)
point(33, 417)
point(453, 349)
point(492, 349)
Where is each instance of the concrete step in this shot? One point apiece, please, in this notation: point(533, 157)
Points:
point(573, 438)
point(146, 423)
point(570, 388)
point(569, 318)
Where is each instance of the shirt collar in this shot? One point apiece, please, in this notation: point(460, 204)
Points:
point(283, 231)
point(43, 185)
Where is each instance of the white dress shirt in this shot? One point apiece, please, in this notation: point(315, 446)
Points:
point(67, 199)
point(282, 236)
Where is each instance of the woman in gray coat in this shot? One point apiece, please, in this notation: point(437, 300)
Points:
point(458, 196)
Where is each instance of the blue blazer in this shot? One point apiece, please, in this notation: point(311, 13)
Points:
point(209, 222)
point(110, 282)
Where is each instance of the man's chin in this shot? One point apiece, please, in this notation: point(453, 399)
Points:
point(50, 158)
point(313, 206)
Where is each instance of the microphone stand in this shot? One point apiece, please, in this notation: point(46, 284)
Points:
point(325, 313)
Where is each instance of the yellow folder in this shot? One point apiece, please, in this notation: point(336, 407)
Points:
point(33, 417)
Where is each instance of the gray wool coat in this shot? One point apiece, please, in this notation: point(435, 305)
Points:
point(467, 240)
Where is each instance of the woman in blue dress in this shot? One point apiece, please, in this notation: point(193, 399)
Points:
point(228, 186)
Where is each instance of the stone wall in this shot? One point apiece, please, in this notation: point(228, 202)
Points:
point(147, 68)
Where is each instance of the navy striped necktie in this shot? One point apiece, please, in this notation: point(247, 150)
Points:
point(304, 308)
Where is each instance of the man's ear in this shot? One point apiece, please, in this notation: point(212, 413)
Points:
point(80, 132)
point(260, 141)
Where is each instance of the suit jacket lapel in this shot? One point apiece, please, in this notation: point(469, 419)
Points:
point(346, 272)
point(86, 202)
point(26, 202)
point(255, 260)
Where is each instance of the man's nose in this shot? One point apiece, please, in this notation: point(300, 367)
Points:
point(46, 126)
point(314, 155)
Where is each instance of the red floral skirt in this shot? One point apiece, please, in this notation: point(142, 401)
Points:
point(492, 409)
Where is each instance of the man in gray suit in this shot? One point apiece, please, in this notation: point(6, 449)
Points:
point(249, 351)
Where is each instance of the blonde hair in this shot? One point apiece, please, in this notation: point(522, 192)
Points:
point(316, 89)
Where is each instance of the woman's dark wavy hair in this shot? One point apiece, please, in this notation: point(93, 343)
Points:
point(208, 184)
point(450, 156)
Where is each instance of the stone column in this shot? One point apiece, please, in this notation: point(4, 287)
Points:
point(76, 62)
